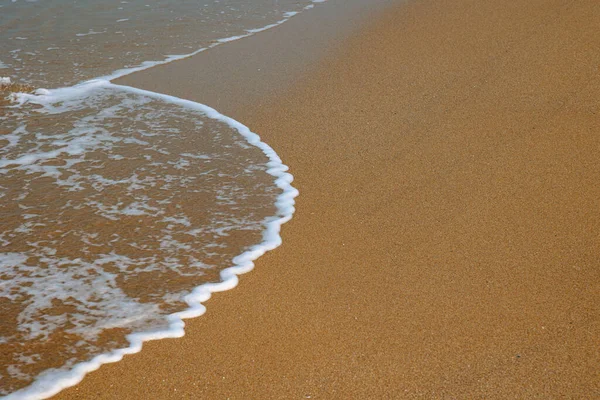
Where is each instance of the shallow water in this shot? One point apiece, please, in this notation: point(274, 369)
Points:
point(54, 43)
point(107, 222)
point(115, 204)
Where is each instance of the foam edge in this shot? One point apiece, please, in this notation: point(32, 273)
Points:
point(51, 383)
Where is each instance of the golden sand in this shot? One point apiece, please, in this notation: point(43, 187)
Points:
point(447, 235)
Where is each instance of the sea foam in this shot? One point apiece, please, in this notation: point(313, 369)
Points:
point(58, 100)
point(53, 381)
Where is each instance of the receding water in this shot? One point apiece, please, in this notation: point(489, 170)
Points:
point(115, 204)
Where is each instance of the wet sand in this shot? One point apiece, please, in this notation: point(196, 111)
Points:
point(446, 238)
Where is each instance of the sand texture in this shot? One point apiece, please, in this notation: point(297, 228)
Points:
point(446, 238)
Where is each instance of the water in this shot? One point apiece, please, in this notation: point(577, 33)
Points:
point(120, 209)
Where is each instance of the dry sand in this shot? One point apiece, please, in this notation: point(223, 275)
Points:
point(446, 238)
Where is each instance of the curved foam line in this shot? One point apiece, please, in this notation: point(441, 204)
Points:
point(53, 382)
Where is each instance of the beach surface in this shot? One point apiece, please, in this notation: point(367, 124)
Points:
point(446, 238)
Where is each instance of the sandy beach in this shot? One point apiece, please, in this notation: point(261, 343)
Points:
point(446, 238)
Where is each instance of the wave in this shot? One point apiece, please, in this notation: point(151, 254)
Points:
point(53, 381)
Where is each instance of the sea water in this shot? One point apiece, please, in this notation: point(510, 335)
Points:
point(120, 209)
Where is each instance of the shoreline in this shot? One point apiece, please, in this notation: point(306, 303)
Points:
point(238, 77)
point(243, 263)
point(445, 235)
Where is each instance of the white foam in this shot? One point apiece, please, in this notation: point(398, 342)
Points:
point(5, 80)
point(90, 32)
point(53, 381)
